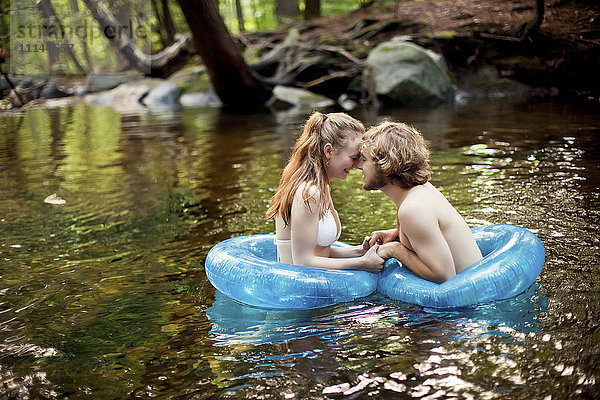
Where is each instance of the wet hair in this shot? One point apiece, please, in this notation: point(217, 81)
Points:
point(307, 164)
point(399, 152)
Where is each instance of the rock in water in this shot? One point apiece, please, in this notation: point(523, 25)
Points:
point(54, 199)
point(285, 97)
point(404, 73)
point(164, 95)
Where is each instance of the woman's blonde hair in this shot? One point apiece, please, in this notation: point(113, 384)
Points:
point(307, 162)
point(399, 151)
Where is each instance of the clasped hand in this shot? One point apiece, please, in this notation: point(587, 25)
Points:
point(379, 247)
point(382, 237)
point(372, 262)
point(386, 241)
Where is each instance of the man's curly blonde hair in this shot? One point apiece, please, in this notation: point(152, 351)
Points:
point(400, 153)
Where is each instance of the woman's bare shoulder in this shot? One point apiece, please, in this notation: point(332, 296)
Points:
point(307, 191)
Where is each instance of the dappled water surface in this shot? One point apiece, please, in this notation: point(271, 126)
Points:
point(106, 219)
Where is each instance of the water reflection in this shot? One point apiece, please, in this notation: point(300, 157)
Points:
point(234, 323)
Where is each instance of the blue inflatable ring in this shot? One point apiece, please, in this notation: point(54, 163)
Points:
point(512, 259)
point(245, 269)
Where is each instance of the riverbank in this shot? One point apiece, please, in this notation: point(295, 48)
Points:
point(480, 39)
point(488, 51)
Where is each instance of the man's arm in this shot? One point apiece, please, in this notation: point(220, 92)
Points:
point(431, 258)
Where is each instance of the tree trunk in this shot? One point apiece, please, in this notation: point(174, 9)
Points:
point(287, 9)
point(240, 15)
point(51, 20)
point(82, 39)
point(312, 9)
point(160, 64)
point(234, 82)
point(123, 16)
point(168, 21)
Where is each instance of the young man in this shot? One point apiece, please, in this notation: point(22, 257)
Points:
point(431, 238)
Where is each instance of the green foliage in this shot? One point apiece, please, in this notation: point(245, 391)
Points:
point(4, 23)
point(73, 27)
point(259, 15)
point(192, 78)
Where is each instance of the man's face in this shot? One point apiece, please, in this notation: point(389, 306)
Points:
point(373, 178)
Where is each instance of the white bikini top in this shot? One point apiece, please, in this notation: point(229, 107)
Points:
point(327, 232)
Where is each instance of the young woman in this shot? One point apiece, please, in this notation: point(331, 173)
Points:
point(305, 220)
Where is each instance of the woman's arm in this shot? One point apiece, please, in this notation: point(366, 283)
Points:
point(304, 227)
point(350, 251)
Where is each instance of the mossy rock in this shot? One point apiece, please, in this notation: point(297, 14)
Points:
point(191, 79)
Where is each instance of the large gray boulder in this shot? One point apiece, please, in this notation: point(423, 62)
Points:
point(404, 73)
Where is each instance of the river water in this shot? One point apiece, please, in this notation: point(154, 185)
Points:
point(106, 219)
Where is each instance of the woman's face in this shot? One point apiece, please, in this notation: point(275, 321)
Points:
point(342, 161)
